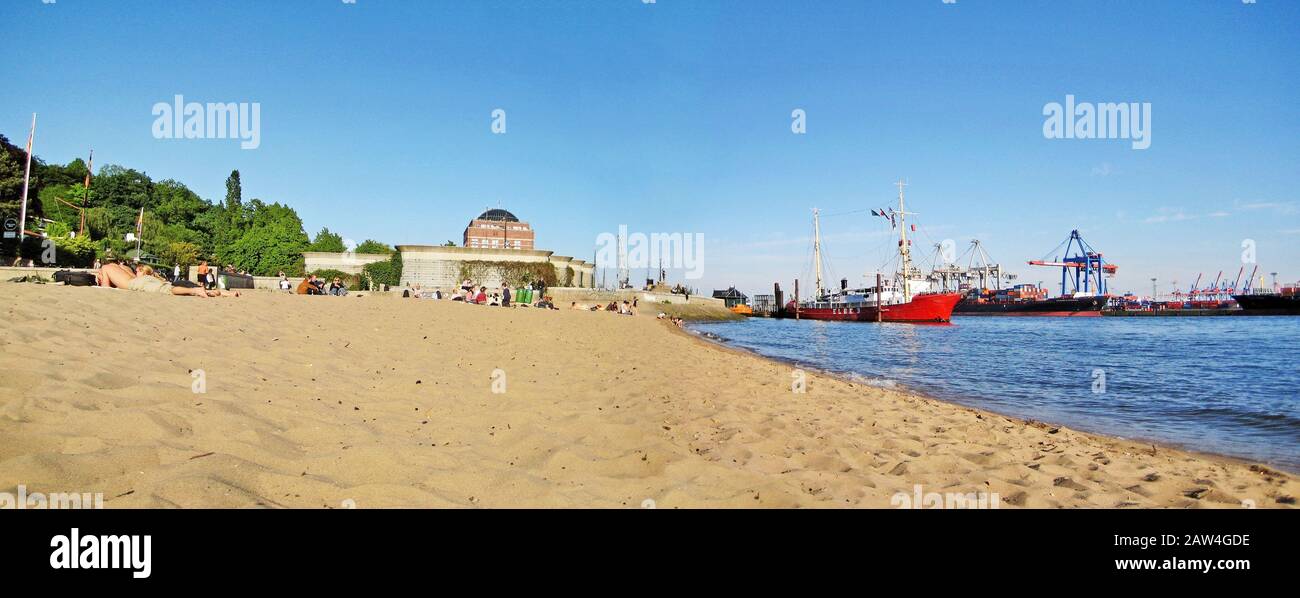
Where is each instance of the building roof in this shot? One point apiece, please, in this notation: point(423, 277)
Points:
point(497, 214)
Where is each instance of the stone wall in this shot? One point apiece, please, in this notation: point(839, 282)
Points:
point(433, 266)
point(343, 262)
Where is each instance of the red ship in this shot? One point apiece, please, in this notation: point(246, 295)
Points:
point(886, 301)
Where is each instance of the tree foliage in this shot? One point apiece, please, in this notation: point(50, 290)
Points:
point(373, 246)
point(327, 241)
point(387, 272)
point(180, 227)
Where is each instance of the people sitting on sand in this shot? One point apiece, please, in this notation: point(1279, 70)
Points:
point(613, 306)
point(482, 297)
point(337, 288)
point(311, 286)
point(285, 285)
point(494, 300)
point(145, 281)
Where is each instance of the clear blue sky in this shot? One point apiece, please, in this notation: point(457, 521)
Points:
point(675, 117)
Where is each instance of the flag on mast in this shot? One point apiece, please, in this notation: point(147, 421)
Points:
point(139, 224)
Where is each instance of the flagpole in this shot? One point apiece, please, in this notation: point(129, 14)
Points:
point(139, 230)
point(85, 197)
point(27, 176)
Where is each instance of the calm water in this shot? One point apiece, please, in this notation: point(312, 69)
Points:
point(1228, 385)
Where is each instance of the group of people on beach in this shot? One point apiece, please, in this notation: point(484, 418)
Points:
point(314, 285)
point(528, 295)
point(207, 275)
point(623, 309)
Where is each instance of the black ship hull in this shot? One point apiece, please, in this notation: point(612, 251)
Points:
point(1269, 305)
point(1059, 307)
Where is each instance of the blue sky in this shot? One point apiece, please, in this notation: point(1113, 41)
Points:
point(676, 117)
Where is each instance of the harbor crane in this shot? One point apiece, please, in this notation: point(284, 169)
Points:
point(1082, 271)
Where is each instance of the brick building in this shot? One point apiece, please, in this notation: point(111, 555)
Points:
point(498, 229)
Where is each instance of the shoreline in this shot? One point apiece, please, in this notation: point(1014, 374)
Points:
point(903, 388)
point(318, 402)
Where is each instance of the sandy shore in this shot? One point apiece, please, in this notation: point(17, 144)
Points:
point(380, 402)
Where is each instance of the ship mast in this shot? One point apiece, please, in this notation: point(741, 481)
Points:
point(903, 249)
point(817, 255)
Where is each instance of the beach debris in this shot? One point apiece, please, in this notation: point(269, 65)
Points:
point(1195, 493)
point(1151, 477)
point(1286, 500)
point(202, 456)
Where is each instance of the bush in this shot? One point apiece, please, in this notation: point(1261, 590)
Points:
point(515, 274)
point(380, 273)
point(75, 252)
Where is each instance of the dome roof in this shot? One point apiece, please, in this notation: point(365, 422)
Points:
point(497, 214)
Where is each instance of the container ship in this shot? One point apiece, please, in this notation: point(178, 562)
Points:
point(1028, 300)
point(1083, 283)
point(887, 301)
point(1285, 303)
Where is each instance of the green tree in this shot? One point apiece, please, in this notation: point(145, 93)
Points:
point(179, 252)
point(274, 241)
point(174, 203)
point(372, 246)
point(58, 211)
point(11, 185)
point(327, 241)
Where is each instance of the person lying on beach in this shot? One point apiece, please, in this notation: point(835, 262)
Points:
point(145, 281)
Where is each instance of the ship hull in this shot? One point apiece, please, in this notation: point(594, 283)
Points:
point(922, 308)
point(1273, 305)
point(1085, 307)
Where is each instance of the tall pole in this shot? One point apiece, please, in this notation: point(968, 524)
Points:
point(27, 177)
point(85, 196)
point(903, 249)
point(817, 255)
point(1153, 288)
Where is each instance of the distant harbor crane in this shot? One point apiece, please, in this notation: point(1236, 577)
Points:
point(1089, 268)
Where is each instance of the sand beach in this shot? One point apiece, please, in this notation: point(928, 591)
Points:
point(276, 400)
